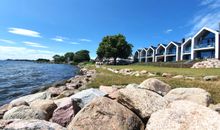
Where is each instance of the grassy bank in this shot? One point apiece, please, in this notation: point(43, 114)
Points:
point(105, 77)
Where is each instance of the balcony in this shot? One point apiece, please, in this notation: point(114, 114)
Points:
point(161, 53)
point(187, 50)
point(149, 54)
point(171, 52)
point(204, 45)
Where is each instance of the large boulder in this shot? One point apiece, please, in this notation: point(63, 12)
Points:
point(184, 115)
point(105, 114)
point(86, 96)
point(215, 107)
point(47, 106)
point(196, 95)
point(3, 109)
point(32, 125)
point(25, 112)
point(32, 97)
point(156, 85)
point(65, 112)
point(109, 89)
point(141, 101)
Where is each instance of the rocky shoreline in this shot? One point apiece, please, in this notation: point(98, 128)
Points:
point(151, 105)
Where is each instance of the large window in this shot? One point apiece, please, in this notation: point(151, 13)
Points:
point(206, 40)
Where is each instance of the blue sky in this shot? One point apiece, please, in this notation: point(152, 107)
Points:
point(31, 29)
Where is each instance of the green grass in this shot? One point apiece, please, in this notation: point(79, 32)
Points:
point(175, 71)
point(105, 77)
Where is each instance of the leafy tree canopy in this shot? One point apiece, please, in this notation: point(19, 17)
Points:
point(115, 47)
point(81, 56)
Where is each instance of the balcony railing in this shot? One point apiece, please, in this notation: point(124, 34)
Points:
point(159, 54)
point(187, 50)
point(149, 54)
point(171, 52)
point(204, 45)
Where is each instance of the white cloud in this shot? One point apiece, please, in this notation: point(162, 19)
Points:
point(74, 43)
point(85, 40)
point(168, 30)
point(7, 41)
point(33, 44)
point(9, 52)
point(24, 32)
point(209, 16)
point(59, 39)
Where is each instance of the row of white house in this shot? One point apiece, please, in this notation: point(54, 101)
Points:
point(204, 45)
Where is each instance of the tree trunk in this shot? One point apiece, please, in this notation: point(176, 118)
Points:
point(115, 62)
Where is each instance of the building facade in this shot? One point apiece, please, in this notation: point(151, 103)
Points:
point(203, 45)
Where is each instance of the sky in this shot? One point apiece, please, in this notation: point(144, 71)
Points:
point(31, 29)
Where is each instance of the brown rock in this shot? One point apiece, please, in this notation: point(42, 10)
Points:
point(105, 114)
point(108, 89)
point(141, 101)
point(155, 85)
point(45, 105)
point(55, 91)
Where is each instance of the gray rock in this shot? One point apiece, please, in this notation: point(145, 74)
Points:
point(25, 112)
point(210, 78)
point(184, 115)
point(196, 95)
point(32, 125)
point(156, 85)
point(105, 114)
point(168, 75)
point(215, 107)
point(132, 86)
point(86, 96)
point(32, 97)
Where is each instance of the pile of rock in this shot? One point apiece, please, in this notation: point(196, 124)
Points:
point(151, 105)
point(210, 63)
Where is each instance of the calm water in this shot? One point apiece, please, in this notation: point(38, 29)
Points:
point(18, 78)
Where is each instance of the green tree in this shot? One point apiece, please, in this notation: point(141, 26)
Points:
point(69, 56)
point(81, 56)
point(114, 47)
point(58, 59)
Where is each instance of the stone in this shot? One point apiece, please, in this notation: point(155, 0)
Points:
point(215, 107)
point(105, 114)
point(143, 72)
point(151, 74)
point(190, 78)
point(141, 101)
point(47, 106)
point(25, 112)
point(108, 89)
point(66, 93)
point(3, 109)
point(210, 78)
point(55, 91)
point(18, 103)
point(32, 125)
point(209, 63)
point(168, 75)
point(4, 123)
point(156, 85)
point(178, 77)
point(132, 86)
point(65, 112)
point(184, 115)
point(196, 95)
point(32, 97)
point(86, 96)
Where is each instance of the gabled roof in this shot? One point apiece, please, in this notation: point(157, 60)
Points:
point(175, 43)
point(163, 45)
point(207, 29)
point(189, 39)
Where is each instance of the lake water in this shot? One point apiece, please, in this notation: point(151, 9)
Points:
point(18, 78)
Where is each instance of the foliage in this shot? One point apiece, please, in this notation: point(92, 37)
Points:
point(42, 60)
point(115, 47)
point(81, 56)
point(69, 56)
